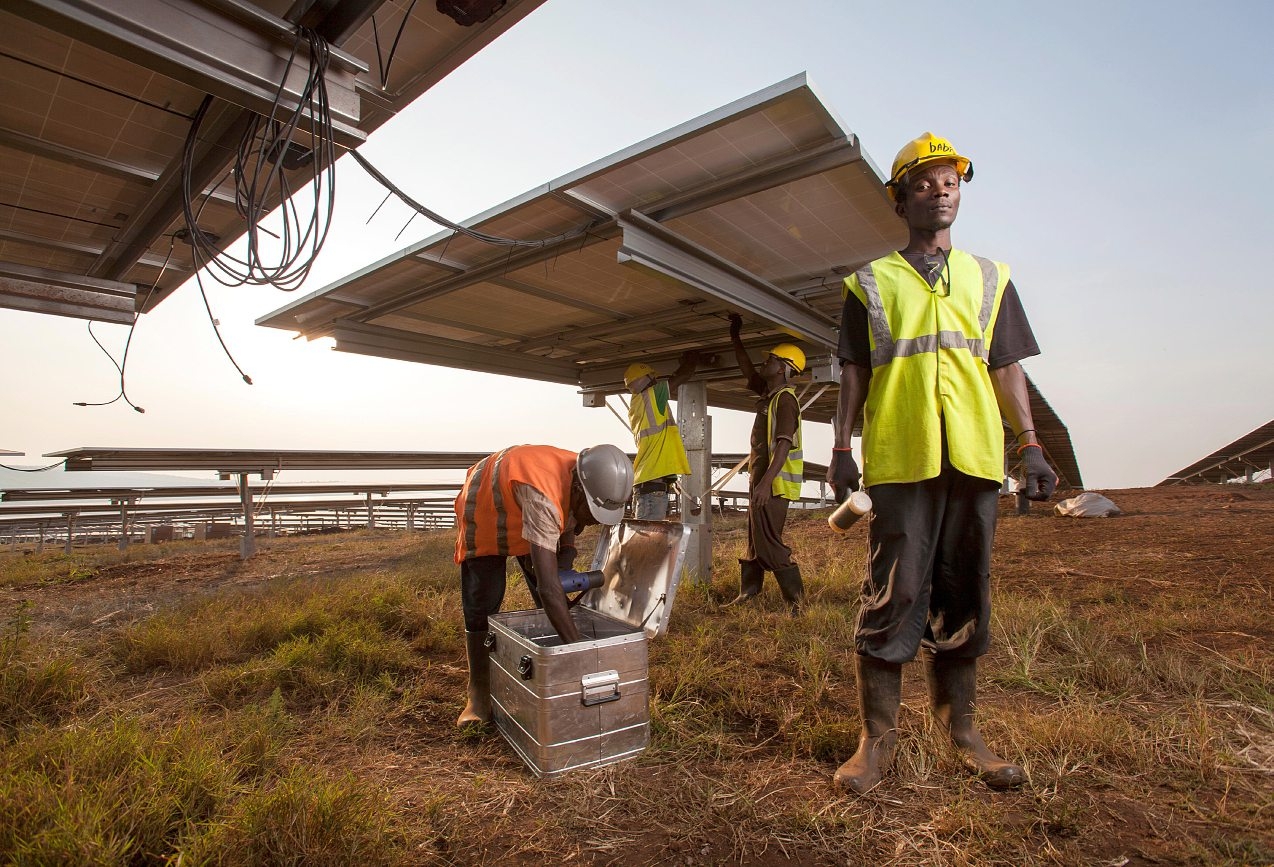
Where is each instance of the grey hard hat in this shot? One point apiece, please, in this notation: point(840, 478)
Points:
point(607, 477)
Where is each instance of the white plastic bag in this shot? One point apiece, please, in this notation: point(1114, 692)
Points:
point(1089, 504)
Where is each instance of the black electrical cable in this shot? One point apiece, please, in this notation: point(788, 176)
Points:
point(123, 362)
point(269, 149)
point(383, 66)
point(456, 227)
point(62, 73)
point(216, 329)
point(31, 469)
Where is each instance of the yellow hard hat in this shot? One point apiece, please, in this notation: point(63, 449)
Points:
point(792, 354)
point(926, 149)
point(636, 371)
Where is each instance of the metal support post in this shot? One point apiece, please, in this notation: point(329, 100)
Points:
point(123, 524)
point(371, 513)
point(70, 530)
point(248, 545)
point(696, 433)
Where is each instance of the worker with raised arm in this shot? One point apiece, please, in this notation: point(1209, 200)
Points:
point(930, 341)
point(528, 502)
point(775, 469)
point(661, 455)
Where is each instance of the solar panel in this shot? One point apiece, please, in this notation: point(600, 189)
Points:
point(97, 97)
point(1249, 454)
point(758, 207)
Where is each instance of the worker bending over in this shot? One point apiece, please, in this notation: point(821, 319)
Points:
point(930, 342)
point(661, 455)
point(528, 502)
point(775, 469)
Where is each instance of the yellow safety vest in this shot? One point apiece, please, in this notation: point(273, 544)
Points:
point(787, 484)
point(660, 451)
point(929, 349)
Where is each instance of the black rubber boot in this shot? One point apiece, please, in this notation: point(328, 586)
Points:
point(477, 709)
point(751, 576)
point(879, 694)
point(952, 691)
point(791, 586)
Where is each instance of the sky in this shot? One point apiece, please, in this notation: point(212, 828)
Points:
point(1120, 153)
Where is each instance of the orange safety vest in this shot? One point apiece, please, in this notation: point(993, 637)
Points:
point(488, 517)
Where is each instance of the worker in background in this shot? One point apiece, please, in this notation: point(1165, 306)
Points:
point(661, 456)
point(528, 502)
point(930, 342)
point(775, 469)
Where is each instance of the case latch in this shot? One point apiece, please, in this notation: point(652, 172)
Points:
point(599, 688)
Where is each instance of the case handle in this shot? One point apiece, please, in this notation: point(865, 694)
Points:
point(599, 688)
point(526, 668)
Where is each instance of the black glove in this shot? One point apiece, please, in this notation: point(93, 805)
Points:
point(566, 557)
point(1041, 481)
point(736, 325)
point(842, 474)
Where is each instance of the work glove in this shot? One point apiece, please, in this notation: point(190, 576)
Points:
point(566, 557)
point(1041, 481)
point(843, 474)
point(736, 325)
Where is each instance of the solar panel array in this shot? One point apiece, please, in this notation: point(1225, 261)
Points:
point(1248, 455)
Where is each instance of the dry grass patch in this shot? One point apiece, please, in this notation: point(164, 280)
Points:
point(303, 702)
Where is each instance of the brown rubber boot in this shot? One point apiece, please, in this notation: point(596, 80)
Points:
point(879, 694)
point(477, 710)
point(952, 691)
point(751, 576)
point(791, 586)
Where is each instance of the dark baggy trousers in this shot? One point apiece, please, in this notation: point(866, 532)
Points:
point(482, 585)
point(930, 576)
point(765, 536)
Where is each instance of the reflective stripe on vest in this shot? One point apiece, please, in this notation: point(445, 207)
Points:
point(660, 452)
point(787, 484)
point(651, 422)
point(887, 348)
point(929, 352)
point(488, 517)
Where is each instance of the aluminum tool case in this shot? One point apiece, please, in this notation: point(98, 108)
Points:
point(567, 706)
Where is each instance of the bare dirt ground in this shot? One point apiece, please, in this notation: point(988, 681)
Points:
point(1170, 548)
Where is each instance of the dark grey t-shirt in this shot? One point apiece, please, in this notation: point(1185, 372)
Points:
point(1013, 339)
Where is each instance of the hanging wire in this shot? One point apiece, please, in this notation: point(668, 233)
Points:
point(123, 362)
point(497, 240)
point(31, 469)
point(271, 146)
point(384, 65)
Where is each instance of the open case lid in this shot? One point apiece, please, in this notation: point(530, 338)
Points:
point(642, 564)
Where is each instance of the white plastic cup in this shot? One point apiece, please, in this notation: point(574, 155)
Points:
point(847, 513)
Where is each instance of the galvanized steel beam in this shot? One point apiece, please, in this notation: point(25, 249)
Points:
point(648, 244)
point(23, 287)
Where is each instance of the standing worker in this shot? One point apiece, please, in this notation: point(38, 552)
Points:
point(930, 342)
point(661, 455)
point(528, 502)
point(776, 469)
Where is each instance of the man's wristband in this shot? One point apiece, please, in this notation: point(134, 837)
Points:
point(1029, 446)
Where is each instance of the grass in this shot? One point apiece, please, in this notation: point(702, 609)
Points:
point(298, 709)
